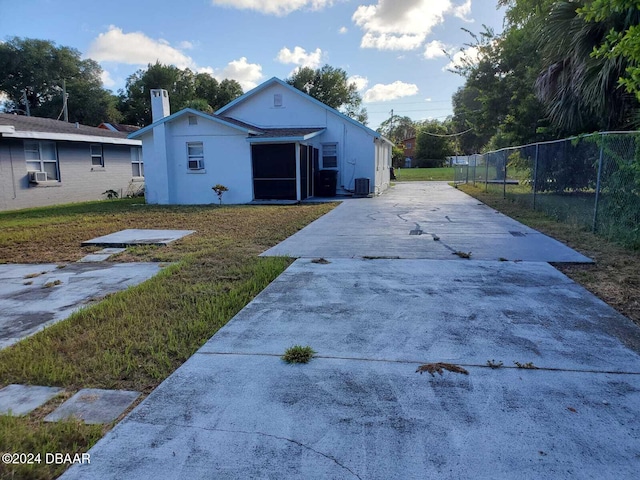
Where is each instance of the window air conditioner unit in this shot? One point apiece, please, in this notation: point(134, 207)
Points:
point(362, 187)
point(196, 164)
point(37, 177)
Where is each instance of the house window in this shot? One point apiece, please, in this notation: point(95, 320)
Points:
point(42, 157)
point(193, 120)
point(330, 155)
point(195, 156)
point(137, 167)
point(277, 100)
point(408, 145)
point(97, 159)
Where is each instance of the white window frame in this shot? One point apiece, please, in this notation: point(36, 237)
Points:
point(30, 163)
point(95, 157)
point(136, 162)
point(191, 157)
point(277, 100)
point(331, 148)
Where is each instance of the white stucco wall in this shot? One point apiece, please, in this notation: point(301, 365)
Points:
point(356, 147)
point(227, 160)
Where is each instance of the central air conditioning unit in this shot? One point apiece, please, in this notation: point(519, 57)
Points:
point(37, 177)
point(362, 187)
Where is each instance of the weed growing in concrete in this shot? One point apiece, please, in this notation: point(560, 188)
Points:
point(298, 354)
point(439, 367)
point(321, 261)
point(526, 366)
point(52, 284)
point(462, 254)
point(494, 364)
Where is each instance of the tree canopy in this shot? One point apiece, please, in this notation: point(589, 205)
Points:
point(38, 69)
point(331, 86)
point(559, 68)
point(185, 88)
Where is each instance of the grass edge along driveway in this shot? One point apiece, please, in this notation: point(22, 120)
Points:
point(133, 339)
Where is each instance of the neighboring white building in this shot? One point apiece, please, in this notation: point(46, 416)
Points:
point(48, 162)
point(274, 142)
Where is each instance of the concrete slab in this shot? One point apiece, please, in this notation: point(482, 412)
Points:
point(33, 297)
point(360, 410)
point(382, 226)
point(19, 400)
point(132, 236)
point(93, 405)
point(420, 310)
point(101, 255)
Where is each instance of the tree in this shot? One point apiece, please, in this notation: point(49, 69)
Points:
point(579, 89)
point(622, 40)
point(433, 144)
point(185, 89)
point(38, 69)
point(397, 128)
point(330, 86)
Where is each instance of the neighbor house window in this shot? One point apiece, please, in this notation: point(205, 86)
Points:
point(408, 145)
point(330, 155)
point(195, 156)
point(137, 167)
point(97, 158)
point(42, 157)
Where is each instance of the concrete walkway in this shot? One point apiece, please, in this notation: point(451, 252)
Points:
point(359, 409)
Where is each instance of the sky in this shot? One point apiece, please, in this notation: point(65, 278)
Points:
point(391, 49)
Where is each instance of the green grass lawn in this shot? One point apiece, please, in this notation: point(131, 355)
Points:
point(135, 338)
point(424, 174)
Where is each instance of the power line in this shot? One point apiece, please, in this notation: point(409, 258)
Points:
point(449, 135)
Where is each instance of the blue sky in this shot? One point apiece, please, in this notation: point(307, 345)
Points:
point(392, 49)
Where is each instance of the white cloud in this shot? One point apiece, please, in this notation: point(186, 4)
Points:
point(468, 56)
point(428, 99)
point(186, 45)
point(246, 74)
point(384, 41)
point(135, 49)
point(435, 49)
point(300, 57)
point(107, 81)
point(359, 81)
point(463, 11)
point(393, 25)
point(343, 30)
point(274, 7)
point(397, 89)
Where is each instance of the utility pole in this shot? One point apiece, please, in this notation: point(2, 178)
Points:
point(65, 107)
point(26, 102)
point(391, 123)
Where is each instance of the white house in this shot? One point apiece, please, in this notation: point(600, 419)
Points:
point(274, 142)
point(47, 162)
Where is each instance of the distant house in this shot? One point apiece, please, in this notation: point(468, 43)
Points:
point(48, 162)
point(409, 147)
point(274, 142)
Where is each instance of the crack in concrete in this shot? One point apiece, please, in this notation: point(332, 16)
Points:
point(386, 360)
point(224, 430)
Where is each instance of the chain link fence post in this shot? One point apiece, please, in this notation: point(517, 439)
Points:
point(486, 175)
point(598, 181)
point(535, 175)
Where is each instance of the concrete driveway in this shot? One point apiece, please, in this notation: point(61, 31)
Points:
point(359, 409)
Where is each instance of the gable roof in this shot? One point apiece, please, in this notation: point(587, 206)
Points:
point(20, 126)
point(228, 121)
point(275, 80)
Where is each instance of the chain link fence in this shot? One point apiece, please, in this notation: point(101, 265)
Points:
point(592, 181)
